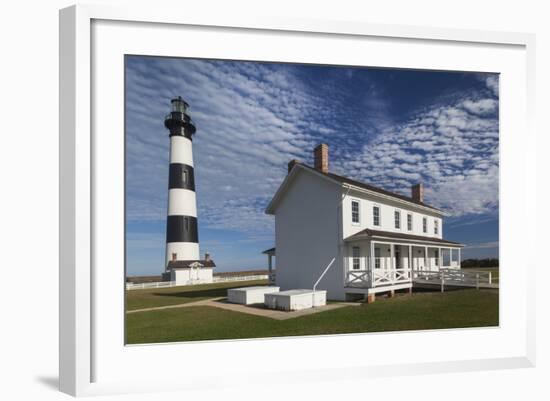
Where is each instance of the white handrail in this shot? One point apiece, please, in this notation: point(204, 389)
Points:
point(318, 280)
point(323, 274)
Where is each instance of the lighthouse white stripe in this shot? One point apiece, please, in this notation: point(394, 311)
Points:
point(184, 251)
point(181, 150)
point(182, 202)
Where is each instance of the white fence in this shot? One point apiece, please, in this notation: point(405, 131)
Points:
point(454, 277)
point(141, 286)
point(216, 279)
point(223, 279)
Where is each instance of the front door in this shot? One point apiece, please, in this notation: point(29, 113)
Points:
point(397, 253)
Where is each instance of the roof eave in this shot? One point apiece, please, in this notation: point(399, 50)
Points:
point(270, 209)
point(360, 237)
point(394, 198)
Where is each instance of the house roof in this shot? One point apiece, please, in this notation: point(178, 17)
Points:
point(186, 264)
point(344, 180)
point(401, 236)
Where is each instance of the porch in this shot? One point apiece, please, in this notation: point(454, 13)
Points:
point(375, 265)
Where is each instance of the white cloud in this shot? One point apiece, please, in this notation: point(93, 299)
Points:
point(492, 82)
point(483, 245)
point(453, 149)
point(481, 106)
point(252, 119)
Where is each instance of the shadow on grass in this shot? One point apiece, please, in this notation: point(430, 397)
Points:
point(211, 293)
point(259, 305)
point(205, 293)
point(437, 288)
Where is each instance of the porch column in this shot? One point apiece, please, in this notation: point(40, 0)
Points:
point(269, 263)
point(410, 261)
point(426, 257)
point(459, 259)
point(371, 273)
point(392, 262)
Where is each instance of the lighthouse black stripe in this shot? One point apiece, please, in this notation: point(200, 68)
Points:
point(181, 176)
point(182, 229)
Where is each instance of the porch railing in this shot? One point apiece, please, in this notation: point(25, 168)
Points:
point(377, 277)
point(358, 279)
point(391, 276)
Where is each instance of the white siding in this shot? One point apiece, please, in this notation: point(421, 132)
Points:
point(192, 276)
point(387, 221)
point(307, 232)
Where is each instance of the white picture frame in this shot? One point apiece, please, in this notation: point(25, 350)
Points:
point(85, 352)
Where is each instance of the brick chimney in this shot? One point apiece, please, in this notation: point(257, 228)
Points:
point(291, 164)
point(320, 157)
point(206, 257)
point(417, 192)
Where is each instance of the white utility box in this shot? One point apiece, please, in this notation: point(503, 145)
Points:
point(249, 295)
point(295, 299)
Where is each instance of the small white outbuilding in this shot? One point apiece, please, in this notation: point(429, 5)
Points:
point(187, 272)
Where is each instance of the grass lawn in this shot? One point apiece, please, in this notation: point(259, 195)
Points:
point(140, 299)
point(423, 310)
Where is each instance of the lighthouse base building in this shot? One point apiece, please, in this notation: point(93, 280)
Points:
point(187, 272)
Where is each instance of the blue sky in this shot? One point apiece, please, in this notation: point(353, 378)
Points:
point(390, 128)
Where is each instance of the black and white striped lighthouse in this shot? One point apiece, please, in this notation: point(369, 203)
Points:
point(182, 240)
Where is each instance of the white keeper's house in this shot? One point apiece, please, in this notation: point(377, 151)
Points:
point(379, 239)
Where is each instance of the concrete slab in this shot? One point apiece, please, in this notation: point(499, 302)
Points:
point(259, 310)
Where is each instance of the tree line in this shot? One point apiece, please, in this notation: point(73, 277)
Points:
point(488, 262)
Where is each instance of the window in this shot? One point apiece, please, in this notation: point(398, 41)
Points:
point(184, 176)
point(454, 255)
point(356, 253)
point(436, 227)
point(409, 222)
point(425, 224)
point(377, 258)
point(437, 257)
point(376, 215)
point(397, 216)
point(355, 212)
point(446, 256)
